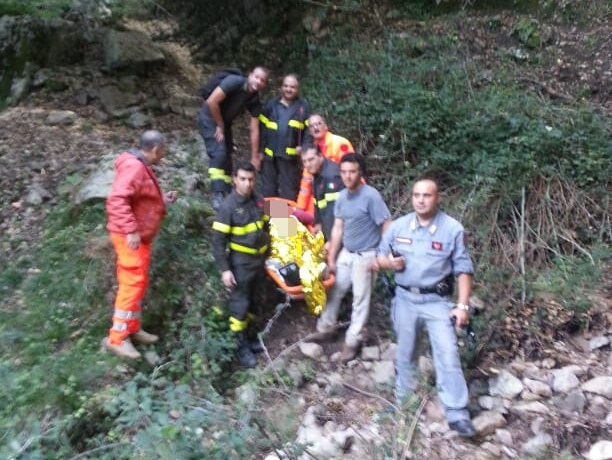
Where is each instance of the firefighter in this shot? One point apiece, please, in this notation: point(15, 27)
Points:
point(326, 187)
point(135, 208)
point(332, 146)
point(226, 102)
point(283, 124)
point(240, 242)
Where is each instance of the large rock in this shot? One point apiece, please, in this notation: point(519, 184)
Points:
point(28, 43)
point(131, 51)
point(599, 385)
point(505, 385)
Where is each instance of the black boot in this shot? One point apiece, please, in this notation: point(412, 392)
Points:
point(256, 346)
point(246, 357)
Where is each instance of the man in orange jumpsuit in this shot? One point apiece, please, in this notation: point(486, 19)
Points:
point(332, 146)
point(135, 208)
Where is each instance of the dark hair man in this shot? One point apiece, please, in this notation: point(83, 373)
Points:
point(429, 252)
point(332, 146)
point(326, 187)
point(361, 215)
point(240, 242)
point(225, 103)
point(284, 121)
point(135, 208)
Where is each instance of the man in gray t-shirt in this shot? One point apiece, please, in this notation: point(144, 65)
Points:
point(361, 216)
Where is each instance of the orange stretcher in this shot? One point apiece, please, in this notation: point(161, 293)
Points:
point(294, 292)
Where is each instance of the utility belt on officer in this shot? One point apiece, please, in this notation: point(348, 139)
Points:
point(442, 288)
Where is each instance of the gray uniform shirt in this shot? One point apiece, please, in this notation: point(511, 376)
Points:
point(363, 212)
point(431, 253)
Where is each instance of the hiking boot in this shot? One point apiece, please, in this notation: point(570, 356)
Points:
point(246, 358)
point(463, 427)
point(124, 350)
point(142, 337)
point(348, 353)
point(217, 199)
point(256, 346)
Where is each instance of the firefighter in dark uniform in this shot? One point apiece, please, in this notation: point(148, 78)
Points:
point(326, 187)
point(226, 102)
point(284, 123)
point(240, 242)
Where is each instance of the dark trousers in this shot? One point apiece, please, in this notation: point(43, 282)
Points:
point(280, 177)
point(219, 154)
point(241, 299)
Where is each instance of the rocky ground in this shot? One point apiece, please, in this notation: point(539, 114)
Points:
point(560, 398)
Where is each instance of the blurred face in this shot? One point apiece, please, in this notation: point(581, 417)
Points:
point(244, 182)
point(317, 127)
point(425, 198)
point(258, 79)
point(312, 161)
point(159, 152)
point(351, 175)
point(290, 88)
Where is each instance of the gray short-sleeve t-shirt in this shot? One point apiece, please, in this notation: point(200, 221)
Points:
point(363, 212)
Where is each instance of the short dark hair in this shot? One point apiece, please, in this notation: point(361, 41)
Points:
point(244, 166)
point(352, 157)
point(316, 147)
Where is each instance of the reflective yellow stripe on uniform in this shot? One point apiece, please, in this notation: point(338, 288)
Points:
point(239, 231)
point(220, 227)
point(248, 228)
point(268, 151)
point(268, 123)
point(329, 197)
point(296, 124)
point(291, 151)
point(245, 249)
point(218, 174)
point(236, 325)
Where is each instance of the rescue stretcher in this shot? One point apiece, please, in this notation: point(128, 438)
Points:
point(293, 292)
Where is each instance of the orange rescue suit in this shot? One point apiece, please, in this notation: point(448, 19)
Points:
point(333, 147)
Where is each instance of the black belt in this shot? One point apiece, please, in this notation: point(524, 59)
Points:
point(359, 253)
point(418, 290)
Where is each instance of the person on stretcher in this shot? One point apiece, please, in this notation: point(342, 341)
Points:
point(297, 254)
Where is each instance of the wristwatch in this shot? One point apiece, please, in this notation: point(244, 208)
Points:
point(462, 306)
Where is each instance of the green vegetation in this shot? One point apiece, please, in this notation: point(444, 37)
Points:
point(41, 8)
point(528, 177)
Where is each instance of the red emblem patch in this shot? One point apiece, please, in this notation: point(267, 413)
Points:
point(344, 148)
point(436, 245)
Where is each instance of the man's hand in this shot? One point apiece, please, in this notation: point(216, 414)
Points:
point(374, 265)
point(316, 228)
point(219, 134)
point(397, 263)
point(133, 240)
point(462, 317)
point(331, 264)
point(256, 160)
point(171, 196)
point(227, 277)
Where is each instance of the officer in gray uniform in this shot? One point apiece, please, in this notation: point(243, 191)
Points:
point(426, 250)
